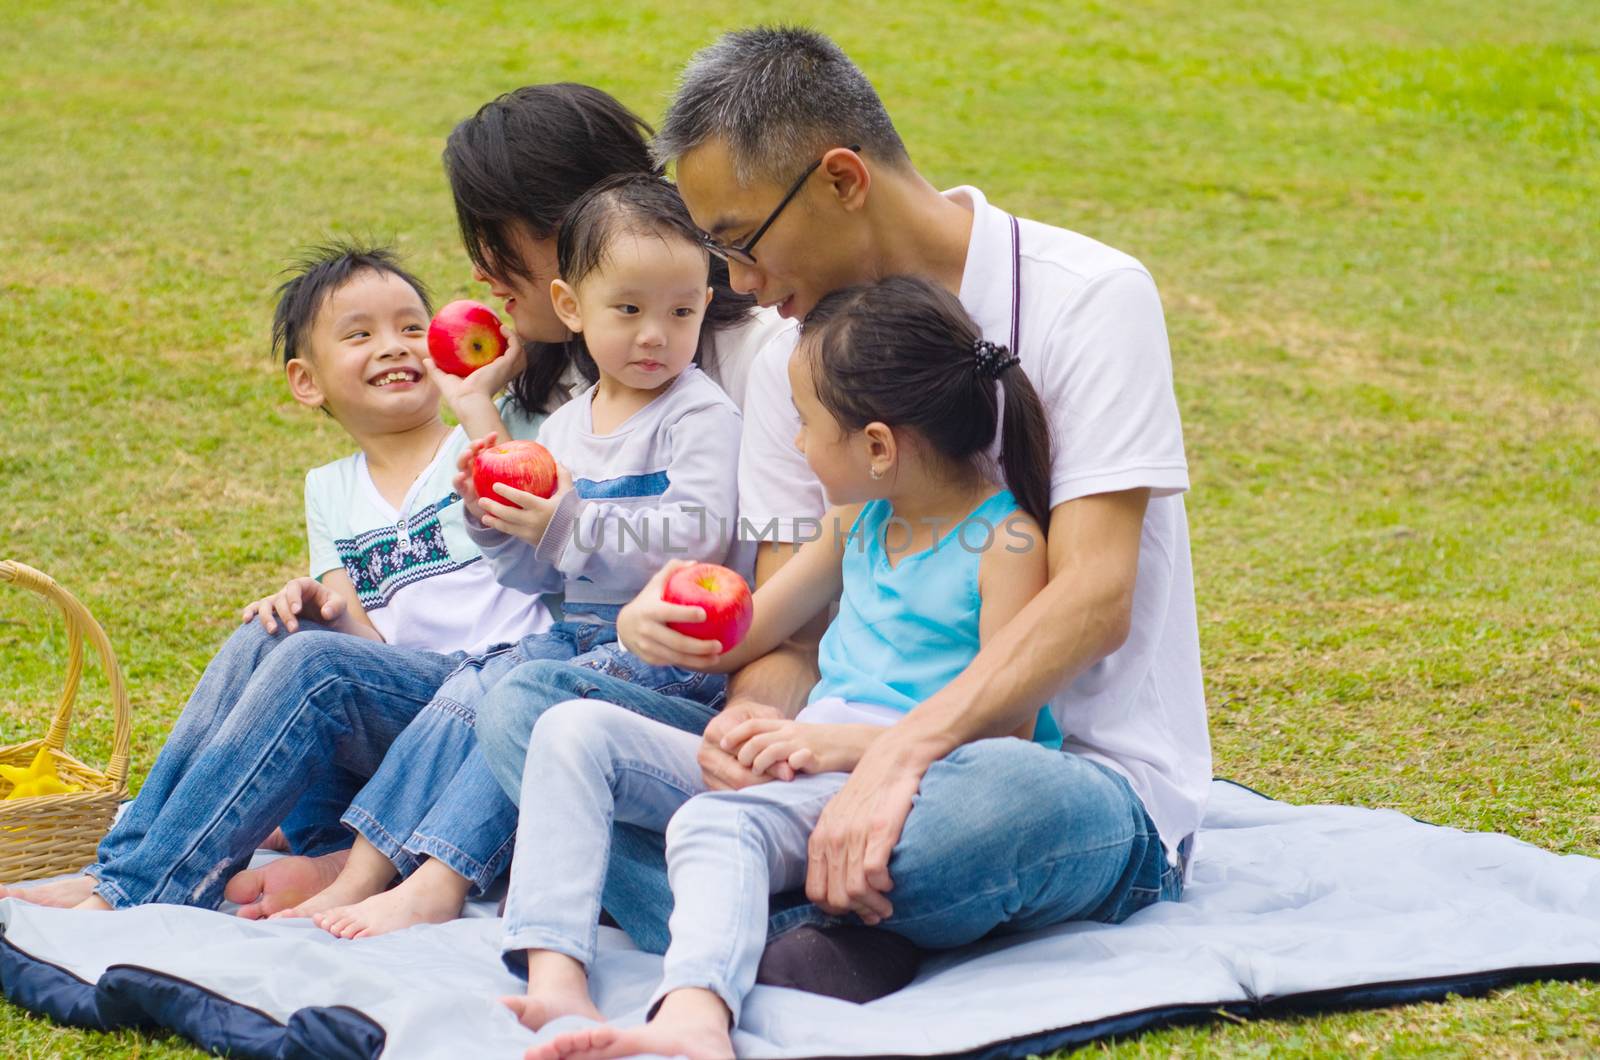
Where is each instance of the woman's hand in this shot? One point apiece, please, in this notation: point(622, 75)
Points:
point(761, 744)
point(484, 383)
point(642, 626)
point(462, 482)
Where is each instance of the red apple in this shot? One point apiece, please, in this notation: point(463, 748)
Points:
point(465, 336)
point(721, 593)
point(521, 465)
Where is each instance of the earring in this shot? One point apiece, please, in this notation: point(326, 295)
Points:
point(875, 472)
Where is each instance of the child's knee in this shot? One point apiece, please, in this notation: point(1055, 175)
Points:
point(710, 814)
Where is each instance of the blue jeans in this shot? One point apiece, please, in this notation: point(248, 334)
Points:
point(636, 892)
point(434, 796)
point(1024, 861)
point(280, 729)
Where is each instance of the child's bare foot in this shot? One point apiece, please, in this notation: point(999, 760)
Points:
point(691, 1023)
point(366, 872)
point(431, 895)
point(282, 884)
point(94, 903)
point(557, 986)
point(63, 894)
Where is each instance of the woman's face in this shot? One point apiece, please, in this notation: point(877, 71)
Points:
point(526, 298)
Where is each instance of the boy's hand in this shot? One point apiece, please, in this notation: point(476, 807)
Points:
point(298, 596)
point(760, 744)
point(483, 384)
point(520, 513)
point(642, 627)
point(462, 482)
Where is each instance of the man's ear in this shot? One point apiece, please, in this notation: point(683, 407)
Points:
point(848, 177)
point(303, 383)
point(565, 301)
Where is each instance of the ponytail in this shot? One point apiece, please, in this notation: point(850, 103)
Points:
point(904, 352)
point(1025, 446)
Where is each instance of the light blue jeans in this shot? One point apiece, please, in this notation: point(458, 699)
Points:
point(434, 795)
point(282, 728)
point(636, 892)
point(1005, 835)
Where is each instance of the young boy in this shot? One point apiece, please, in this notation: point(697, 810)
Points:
point(396, 592)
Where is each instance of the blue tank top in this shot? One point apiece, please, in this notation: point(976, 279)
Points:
point(905, 630)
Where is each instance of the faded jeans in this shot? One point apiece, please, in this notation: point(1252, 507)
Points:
point(1005, 835)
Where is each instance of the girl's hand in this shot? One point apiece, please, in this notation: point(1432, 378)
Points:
point(723, 771)
point(462, 482)
point(298, 596)
point(761, 744)
point(521, 514)
point(642, 627)
point(483, 384)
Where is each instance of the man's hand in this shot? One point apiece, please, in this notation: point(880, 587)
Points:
point(642, 625)
point(298, 596)
point(848, 870)
point(520, 513)
point(719, 766)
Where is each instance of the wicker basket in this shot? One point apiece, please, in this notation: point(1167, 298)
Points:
point(53, 834)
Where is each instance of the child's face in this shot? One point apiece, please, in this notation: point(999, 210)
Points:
point(842, 460)
point(365, 366)
point(640, 311)
point(526, 299)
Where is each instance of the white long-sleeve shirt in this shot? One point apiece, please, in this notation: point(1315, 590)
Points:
point(662, 486)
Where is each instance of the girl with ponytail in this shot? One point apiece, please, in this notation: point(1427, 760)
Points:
point(900, 401)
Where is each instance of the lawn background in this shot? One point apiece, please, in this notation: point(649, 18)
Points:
point(1376, 229)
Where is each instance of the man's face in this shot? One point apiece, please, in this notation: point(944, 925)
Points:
point(814, 247)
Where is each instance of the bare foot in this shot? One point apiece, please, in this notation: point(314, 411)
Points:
point(282, 884)
point(696, 1027)
point(557, 986)
point(421, 899)
point(63, 894)
point(276, 841)
point(94, 903)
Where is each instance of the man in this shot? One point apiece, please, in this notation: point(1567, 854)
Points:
point(789, 161)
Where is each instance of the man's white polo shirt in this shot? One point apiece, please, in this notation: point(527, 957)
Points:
point(1092, 339)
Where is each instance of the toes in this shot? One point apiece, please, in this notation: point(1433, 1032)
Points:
point(245, 887)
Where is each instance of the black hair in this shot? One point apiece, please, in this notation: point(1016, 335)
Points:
point(632, 203)
point(777, 96)
point(318, 272)
point(524, 159)
point(903, 352)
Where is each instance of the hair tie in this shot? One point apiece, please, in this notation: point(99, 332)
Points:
point(991, 360)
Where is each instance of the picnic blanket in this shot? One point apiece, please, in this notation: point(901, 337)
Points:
point(1289, 908)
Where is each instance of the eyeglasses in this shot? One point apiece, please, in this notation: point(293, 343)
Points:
point(742, 254)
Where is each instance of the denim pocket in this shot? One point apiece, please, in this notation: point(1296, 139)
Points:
point(668, 680)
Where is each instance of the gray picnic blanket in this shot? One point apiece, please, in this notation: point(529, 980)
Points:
point(1289, 908)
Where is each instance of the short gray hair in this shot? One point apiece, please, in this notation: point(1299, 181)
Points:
point(778, 96)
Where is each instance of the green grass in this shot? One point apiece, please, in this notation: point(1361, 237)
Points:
point(1374, 226)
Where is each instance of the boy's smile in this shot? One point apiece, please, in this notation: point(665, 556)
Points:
point(367, 343)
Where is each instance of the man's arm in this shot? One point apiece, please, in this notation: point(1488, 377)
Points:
point(1081, 616)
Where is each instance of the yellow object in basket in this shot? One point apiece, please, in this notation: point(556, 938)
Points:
point(39, 778)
